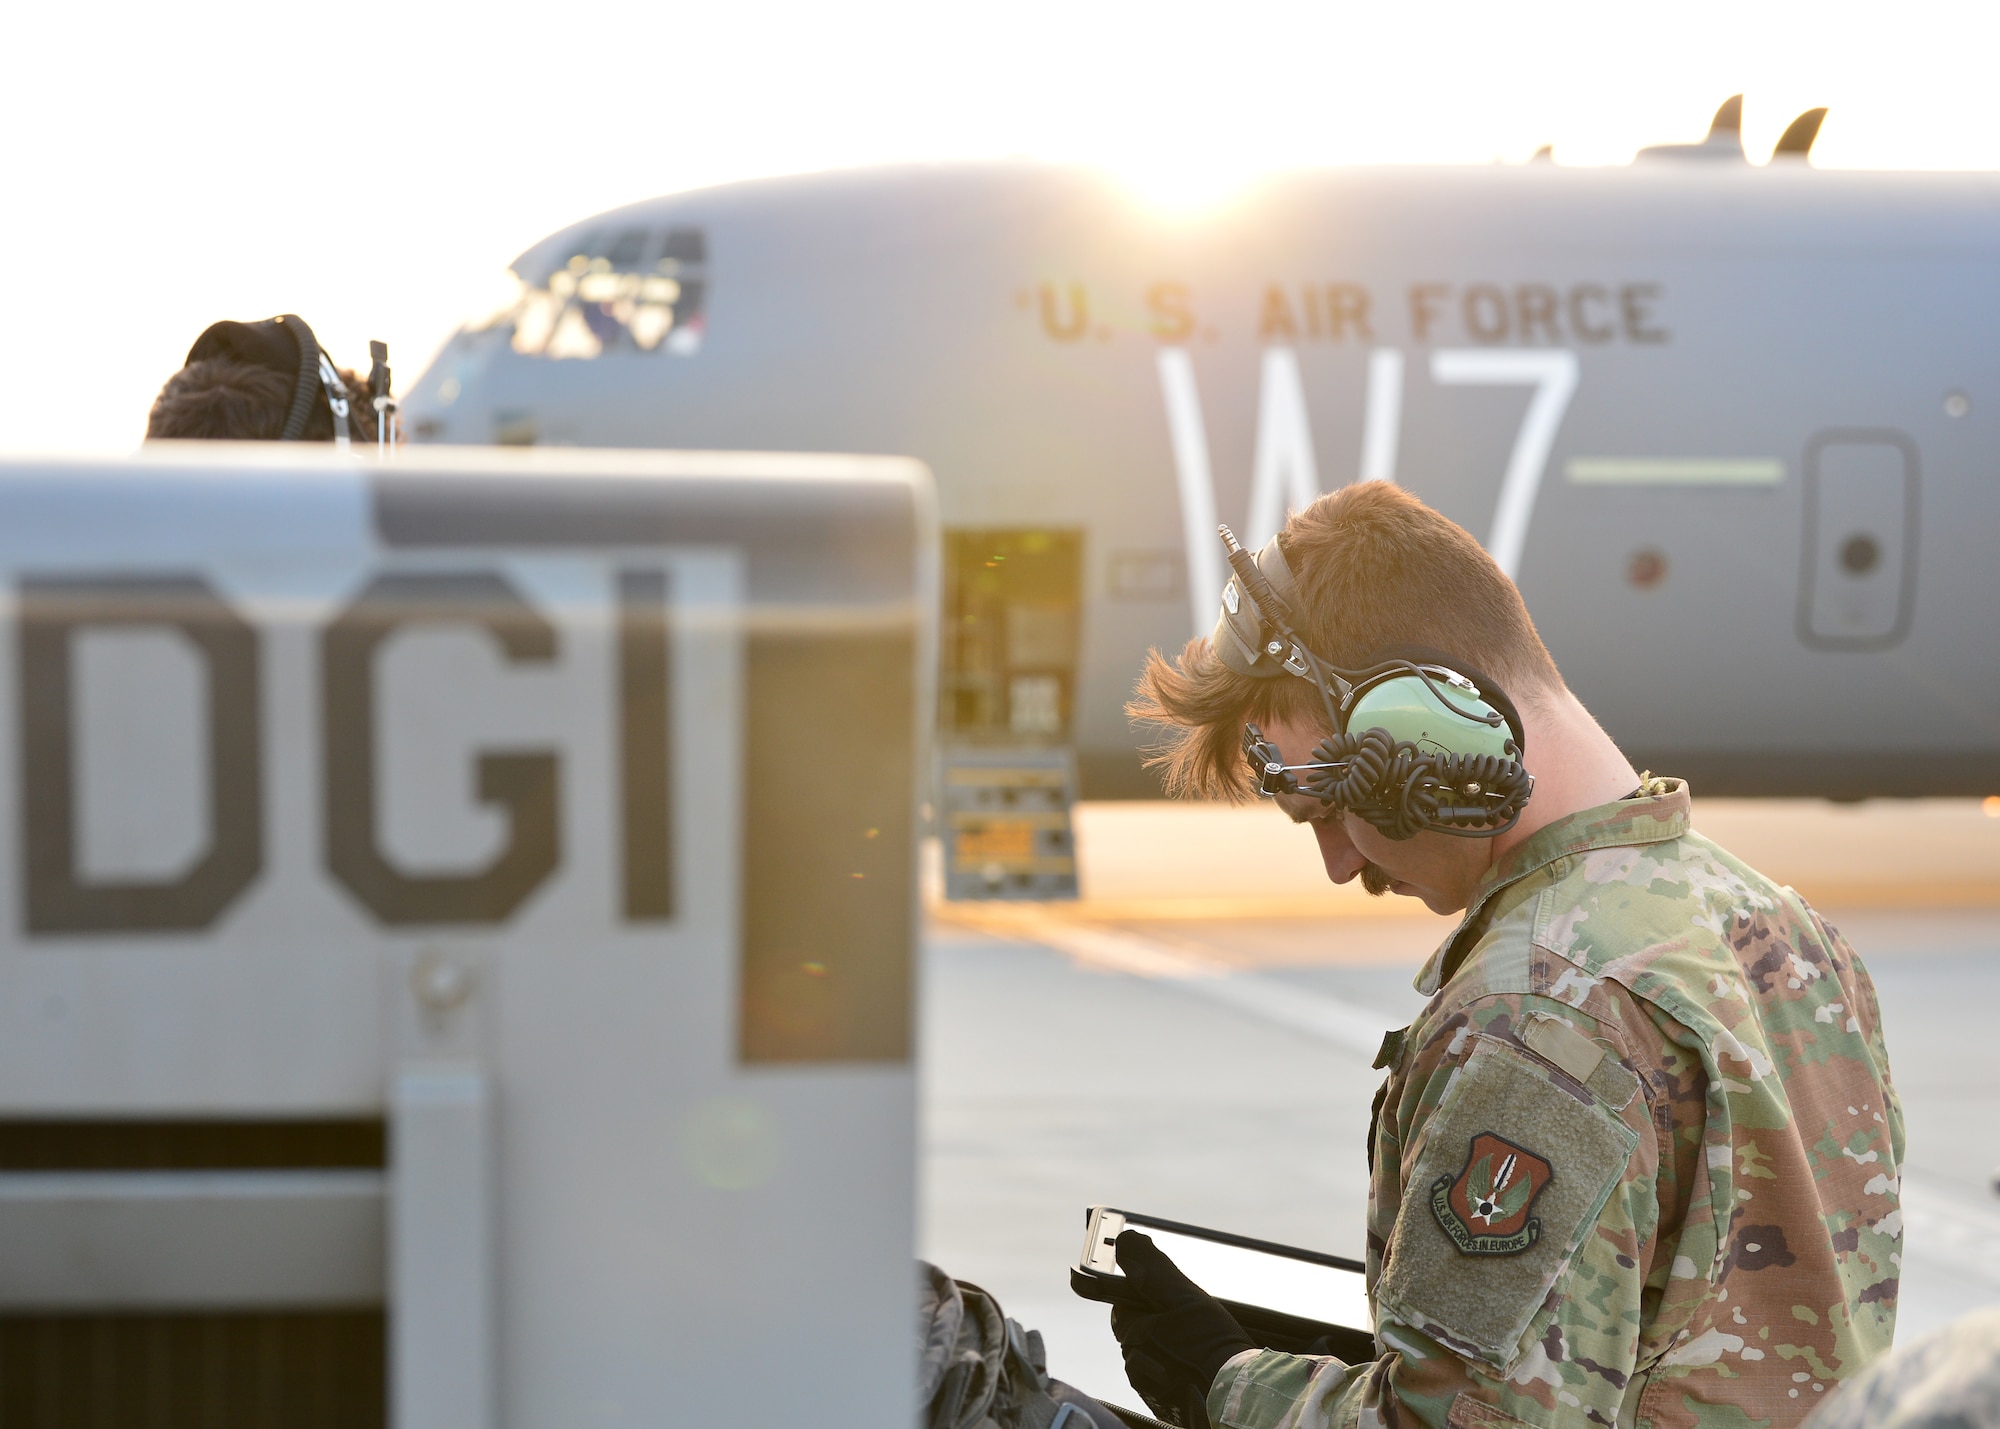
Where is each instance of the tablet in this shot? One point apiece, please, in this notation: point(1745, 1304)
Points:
point(1295, 1297)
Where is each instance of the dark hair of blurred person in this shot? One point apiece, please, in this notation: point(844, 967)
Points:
point(239, 384)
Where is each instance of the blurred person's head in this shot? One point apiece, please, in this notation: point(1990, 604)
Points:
point(258, 382)
point(1378, 573)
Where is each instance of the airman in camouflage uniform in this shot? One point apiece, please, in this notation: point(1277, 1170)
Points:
point(1636, 1164)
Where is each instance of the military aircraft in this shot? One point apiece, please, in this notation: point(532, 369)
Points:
point(1728, 425)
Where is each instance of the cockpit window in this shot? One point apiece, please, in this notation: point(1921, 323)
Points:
point(685, 245)
point(629, 248)
point(622, 290)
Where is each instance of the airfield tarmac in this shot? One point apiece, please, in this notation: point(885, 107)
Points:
point(1193, 1039)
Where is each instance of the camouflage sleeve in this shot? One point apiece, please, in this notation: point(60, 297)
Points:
point(1513, 1207)
point(1268, 1389)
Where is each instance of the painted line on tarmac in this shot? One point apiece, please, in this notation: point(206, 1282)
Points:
point(1346, 1025)
point(1939, 1226)
point(1114, 950)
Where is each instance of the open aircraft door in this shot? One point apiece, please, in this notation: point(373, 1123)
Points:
point(460, 920)
point(1008, 653)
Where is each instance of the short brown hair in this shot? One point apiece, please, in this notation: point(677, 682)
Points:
point(1376, 568)
point(220, 399)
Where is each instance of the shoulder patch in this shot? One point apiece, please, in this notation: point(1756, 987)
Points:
point(1484, 1208)
point(1512, 1174)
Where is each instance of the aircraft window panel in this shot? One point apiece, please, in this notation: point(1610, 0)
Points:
point(573, 336)
point(602, 320)
point(685, 245)
point(534, 321)
point(688, 322)
point(628, 248)
point(598, 301)
point(650, 322)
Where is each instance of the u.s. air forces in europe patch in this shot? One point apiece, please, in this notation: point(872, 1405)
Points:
point(1512, 1172)
point(1484, 1208)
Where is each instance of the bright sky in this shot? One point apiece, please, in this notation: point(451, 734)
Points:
point(169, 165)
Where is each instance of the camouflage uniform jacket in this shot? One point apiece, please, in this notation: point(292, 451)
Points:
point(1636, 1163)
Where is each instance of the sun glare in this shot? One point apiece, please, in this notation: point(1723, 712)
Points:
point(1186, 113)
point(1176, 186)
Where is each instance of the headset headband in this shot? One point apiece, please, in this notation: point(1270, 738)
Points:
point(1243, 628)
point(1244, 641)
point(308, 377)
point(285, 345)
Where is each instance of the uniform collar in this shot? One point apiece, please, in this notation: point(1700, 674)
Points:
point(1645, 819)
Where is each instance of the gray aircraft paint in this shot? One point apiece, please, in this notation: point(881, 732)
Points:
point(1669, 397)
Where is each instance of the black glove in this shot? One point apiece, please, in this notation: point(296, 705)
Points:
point(1176, 1336)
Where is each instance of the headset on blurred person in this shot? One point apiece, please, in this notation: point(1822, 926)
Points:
point(287, 344)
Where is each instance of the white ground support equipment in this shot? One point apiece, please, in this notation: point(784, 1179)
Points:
point(457, 932)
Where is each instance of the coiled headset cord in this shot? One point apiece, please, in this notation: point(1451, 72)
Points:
point(1403, 790)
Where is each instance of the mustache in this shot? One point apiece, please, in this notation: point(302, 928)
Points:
point(1375, 880)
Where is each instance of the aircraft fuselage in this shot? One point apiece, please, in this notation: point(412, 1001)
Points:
point(1729, 428)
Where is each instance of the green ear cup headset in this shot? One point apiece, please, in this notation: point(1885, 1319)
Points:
point(1421, 741)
